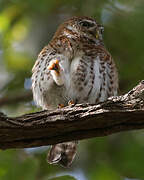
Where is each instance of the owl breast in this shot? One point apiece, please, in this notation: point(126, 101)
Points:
point(91, 80)
point(84, 80)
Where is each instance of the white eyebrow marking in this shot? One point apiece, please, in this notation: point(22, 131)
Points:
point(90, 21)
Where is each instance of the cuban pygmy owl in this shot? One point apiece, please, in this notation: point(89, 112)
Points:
point(74, 66)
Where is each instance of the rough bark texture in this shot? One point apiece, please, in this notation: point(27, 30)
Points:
point(77, 122)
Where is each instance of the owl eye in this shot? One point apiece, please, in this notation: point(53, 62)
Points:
point(86, 24)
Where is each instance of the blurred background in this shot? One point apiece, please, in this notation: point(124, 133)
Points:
point(25, 28)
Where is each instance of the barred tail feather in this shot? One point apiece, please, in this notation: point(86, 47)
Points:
point(62, 153)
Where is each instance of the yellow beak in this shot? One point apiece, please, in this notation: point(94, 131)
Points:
point(97, 35)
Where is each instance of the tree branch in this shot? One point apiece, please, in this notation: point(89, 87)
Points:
point(77, 122)
point(16, 98)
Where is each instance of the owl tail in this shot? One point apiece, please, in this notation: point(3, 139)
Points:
point(62, 153)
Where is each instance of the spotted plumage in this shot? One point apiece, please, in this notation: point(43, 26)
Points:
point(75, 66)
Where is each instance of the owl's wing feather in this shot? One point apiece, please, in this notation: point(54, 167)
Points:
point(47, 85)
point(62, 153)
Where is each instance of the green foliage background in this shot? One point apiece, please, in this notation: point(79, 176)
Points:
point(25, 28)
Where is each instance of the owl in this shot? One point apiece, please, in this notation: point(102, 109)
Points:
point(74, 67)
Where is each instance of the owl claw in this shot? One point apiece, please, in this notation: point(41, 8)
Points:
point(60, 106)
point(54, 66)
point(71, 103)
point(56, 71)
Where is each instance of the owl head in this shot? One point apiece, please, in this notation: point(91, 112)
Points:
point(84, 27)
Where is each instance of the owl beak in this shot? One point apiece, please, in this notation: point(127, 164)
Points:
point(97, 35)
point(95, 32)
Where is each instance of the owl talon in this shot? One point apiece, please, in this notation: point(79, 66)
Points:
point(56, 72)
point(71, 103)
point(54, 66)
point(60, 106)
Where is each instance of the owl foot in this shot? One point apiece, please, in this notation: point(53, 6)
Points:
point(56, 72)
point(60, 106)
point(54, 65)
point(71, 103)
